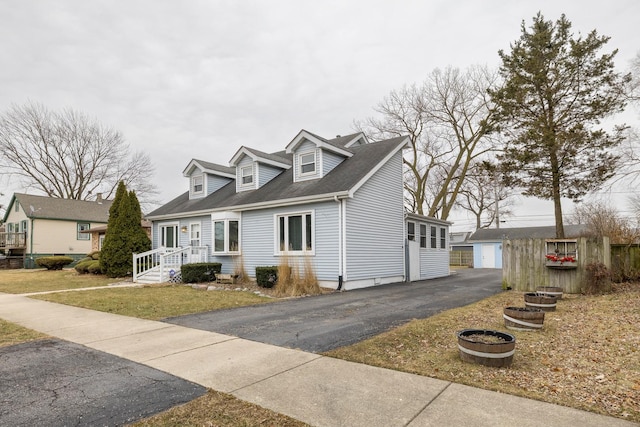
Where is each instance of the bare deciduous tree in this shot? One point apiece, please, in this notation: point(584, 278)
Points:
point(485, 195)
point(68, 155)
point(602, 219)
point(446, 118)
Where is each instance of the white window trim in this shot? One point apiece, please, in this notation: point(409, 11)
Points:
point(411, 237)
point(176, 235)
point(225, 217)
point(193, 185)
point(440, 239)
point(314, 153)
point(276, 237)
point(242, 176)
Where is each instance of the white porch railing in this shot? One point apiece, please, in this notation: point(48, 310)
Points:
point(163, 263)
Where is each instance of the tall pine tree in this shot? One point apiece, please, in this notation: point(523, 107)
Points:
point(556, 90)
point(124, 234)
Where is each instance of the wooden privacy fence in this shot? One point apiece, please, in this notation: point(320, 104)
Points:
point(526, 265)
point(461, 258)
point(625, 262)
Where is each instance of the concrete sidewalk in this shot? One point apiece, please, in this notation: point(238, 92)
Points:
point(315, 389)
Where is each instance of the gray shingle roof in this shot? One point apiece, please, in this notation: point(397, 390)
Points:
point(498, 234)
point(44, 207)
point(216, 167)
point(276, 157)
point(342, 178)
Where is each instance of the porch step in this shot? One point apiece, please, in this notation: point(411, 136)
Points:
point(153, 276)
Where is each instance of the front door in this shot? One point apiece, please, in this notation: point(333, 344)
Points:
point(169, 235)
point(195, 241)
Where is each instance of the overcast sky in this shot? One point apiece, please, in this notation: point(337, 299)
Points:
point(198, 79)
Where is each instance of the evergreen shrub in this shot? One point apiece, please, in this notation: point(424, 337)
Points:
point(200, 272)
point(53, 262)
point(267, 277)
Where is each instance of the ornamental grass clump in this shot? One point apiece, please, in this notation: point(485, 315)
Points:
point(293, 282)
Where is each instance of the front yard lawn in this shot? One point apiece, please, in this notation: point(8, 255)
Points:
point(587, 355)
point(155, 302)
point(25, 281)
point(11, 334)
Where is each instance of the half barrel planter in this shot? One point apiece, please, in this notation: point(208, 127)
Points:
point(523, 318)
point(541, 301)
point(486, 347)
point(553, 291)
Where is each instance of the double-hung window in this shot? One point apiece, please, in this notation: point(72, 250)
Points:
point(411, 231)
point(434, 238)
point(443, 238)
point(226, 233)
point(197, 186)
point(308, 163)
point(423, 236)
point(295, 233)
point(246, 175)
point(81, 228)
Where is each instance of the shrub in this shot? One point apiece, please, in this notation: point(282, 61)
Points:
point(267, 277)
point(94, 255)
point(239, 270)
point(88, 266)
point(293, 282)
point(53, 262)
point(94, 267)
point(200, 272)
point(597, 279)
point(82, 266)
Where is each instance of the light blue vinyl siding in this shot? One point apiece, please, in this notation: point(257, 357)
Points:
point(258, 239)
point(375, 225)
point(266, 173)
point(246, 161)
point(305, 147)
point(329, 161)
point(214, 183)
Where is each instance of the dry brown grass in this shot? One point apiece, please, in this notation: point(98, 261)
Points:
point(239, 270)
point(220, 410)
point(587, 355)
point(292, 282)
point(11, 334)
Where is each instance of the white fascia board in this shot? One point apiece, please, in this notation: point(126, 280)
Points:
point(256, 158)
point(425, 218)
point(318, 142)
point(253, 206)
point(359, 136)
point(194, 163)
point(374, 170)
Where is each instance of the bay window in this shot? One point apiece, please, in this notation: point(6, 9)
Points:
point(226, 232)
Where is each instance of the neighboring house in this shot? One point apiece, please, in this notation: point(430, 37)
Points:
point(461, 249)
point(338, 202)
point(38, 226)
point(487, 242)
point(98, 233)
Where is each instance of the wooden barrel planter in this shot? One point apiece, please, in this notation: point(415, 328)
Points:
point(541, 301)
point(523, 318)
point(550, 290)
point(486, 347)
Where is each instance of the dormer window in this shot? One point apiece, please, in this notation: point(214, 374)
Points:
point(246, 174)
point(308, 163)
point(197, 186)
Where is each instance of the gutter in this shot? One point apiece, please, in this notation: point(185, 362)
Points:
point(254, 206)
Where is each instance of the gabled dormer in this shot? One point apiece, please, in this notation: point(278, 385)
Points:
point(254, 168)
point(206, 178)
point(314, 156)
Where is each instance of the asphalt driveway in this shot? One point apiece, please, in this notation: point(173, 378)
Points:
point(53, 382)
point(322, 323)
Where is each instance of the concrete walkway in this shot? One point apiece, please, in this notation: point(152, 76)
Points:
point(315, 389)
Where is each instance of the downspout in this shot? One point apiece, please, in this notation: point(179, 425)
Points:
point(340, 248)
point(32, 264)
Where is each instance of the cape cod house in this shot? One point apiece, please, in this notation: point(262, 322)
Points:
point(38, 226)
point(338, 202)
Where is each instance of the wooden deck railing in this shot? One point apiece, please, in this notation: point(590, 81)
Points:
point(13, 240)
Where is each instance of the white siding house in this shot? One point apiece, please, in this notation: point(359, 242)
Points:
point(336, 202)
